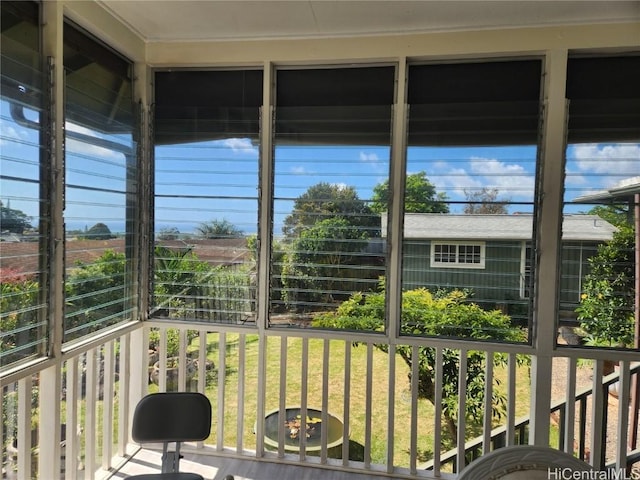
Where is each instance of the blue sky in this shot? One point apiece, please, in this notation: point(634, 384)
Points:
point(220, 178)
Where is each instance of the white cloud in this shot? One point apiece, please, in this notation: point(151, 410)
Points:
point(298, 170)
point(454, 181)
point(86, 147)
point(240, 145)
point(9, 133)
point(608, 159)
point(511, 180)
point(369, 157)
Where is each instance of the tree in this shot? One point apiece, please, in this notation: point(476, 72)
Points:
point(12, 220)
point(315, 262)
point(420, 196)
point(218, 229)
point(98, 232)
point(615, 214)
point(424, 314)
point(485, 202)
point(326, 200)
point(606, 310)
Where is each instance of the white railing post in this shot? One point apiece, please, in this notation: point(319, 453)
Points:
point(598, 403)
point(49, 421)
point(72, 445)
point(137, 370)
point(108, 390)
point(25, 388)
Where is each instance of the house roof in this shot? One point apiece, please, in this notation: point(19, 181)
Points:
point(624, 189)
point(497, 227)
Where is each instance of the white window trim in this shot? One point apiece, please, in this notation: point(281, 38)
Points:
point(523, 269)
point(457, 264)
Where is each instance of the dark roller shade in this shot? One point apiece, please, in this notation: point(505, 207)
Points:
point(482, 103)
point(195, 106)
point(604, 95)
point(336, 106)
point(98, 84)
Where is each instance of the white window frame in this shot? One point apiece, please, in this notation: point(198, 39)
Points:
point(526, 270)
point(457, 263)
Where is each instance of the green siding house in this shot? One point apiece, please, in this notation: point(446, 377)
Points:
point(491, 257)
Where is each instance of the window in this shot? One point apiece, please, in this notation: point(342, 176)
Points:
point(101, 186)
point(24, 206)
point(526, 272)
point(206, 194)
point(470, 191)
point(332, 150)
point(602, 187)
point(457, 255)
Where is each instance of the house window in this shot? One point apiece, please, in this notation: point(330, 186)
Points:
point(457, 255)
point(526, 279)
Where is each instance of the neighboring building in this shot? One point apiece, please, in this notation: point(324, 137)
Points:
point(490, 255)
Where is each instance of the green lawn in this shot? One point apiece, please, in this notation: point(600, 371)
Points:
point(336, 382)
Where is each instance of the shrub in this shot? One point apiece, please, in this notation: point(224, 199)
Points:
point(445, 314)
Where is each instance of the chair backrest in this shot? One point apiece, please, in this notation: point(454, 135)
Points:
point(524, 462)
point(172, 417)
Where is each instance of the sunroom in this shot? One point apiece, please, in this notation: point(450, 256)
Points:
point(214, 197)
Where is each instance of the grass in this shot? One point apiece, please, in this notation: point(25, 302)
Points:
point(335, 393)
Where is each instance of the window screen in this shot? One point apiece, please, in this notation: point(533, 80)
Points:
point(100, 186)
point(206, 194)
point(332, 148)
point(598, 296)
point(470, 196)
point(24, 209)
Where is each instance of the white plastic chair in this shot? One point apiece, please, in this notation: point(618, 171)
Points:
point(523, 462)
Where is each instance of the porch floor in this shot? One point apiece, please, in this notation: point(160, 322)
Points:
point(216, 467)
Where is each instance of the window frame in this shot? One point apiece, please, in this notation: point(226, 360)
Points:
point(434, 263)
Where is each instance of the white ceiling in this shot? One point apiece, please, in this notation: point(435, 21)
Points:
point(181, 20)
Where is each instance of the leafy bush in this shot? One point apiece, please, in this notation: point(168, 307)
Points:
point(18, 316)
point(606, 311)
point(96, 295)
point(445, 314)
point(173, 340)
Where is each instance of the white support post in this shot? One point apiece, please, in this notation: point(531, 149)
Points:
point(395, 219)
point(548, 244)
point(264, 240)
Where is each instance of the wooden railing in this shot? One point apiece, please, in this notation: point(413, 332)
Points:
point(55, 412)
point(474, 448)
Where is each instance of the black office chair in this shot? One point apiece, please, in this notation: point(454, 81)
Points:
point(172, 417)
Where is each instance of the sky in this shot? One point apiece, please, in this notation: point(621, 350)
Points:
point(219, 179)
